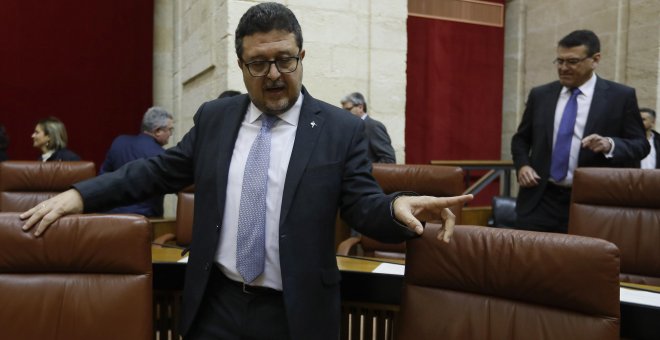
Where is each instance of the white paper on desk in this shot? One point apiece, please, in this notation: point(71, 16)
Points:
point(390, 268)
point(183, 260)
point(640, 297)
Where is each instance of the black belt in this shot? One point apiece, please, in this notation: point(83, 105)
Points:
point(245, 288)
point(559, 188)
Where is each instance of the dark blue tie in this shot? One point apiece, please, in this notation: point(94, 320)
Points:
point(562, 150)
point(251, 238)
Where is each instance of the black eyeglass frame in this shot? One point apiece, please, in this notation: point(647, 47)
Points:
point(570, 61)
point(270, 63)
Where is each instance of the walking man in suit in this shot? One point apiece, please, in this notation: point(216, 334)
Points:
point(652, 160)
point(581, 120)
point(270, 168)
point(380, 145)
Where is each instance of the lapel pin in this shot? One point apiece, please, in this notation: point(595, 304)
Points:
point(313, 124)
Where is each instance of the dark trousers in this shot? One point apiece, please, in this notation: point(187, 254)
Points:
point(551, 214)
point(229, 312)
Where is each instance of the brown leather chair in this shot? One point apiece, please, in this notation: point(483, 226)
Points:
point(185, 208)
point(23, 184)
point(509, 284)
point(87, 277)
point(432, 180)
point(623, 207)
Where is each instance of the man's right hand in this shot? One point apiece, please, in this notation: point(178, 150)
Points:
point(48, 211)
point(527, 177)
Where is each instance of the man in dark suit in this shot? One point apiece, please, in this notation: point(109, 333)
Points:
point(652, 160)
point(287, 286)
point(581, 120)
point(157, 126)
point(380, 145)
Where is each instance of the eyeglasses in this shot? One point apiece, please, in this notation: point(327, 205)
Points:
point(260, 68)
point(349, 108)
point(569, 62)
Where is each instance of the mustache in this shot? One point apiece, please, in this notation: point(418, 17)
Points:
point(273, 85)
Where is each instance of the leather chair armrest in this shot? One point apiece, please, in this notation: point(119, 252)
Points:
point(346, 245)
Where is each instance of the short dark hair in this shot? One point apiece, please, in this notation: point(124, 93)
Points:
point(263, 18)
point(356, 98)
point(582, 37)
point(647, 110)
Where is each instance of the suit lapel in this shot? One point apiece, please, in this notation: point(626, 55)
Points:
point(549, 107)
point(656, 142)
point(310, 126)
point(230, 123)
point(599, 104)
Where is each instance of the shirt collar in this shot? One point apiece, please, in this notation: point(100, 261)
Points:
point(47, 154)
point(291, 116)
point(586, 89)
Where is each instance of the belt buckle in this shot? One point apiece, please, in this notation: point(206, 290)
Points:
point(246, 291)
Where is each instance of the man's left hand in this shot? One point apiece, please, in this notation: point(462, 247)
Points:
point(409, 210)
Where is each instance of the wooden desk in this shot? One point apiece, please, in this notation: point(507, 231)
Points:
point(358, 282)
point(163, 226)
point(638, 321)
point(369, 300)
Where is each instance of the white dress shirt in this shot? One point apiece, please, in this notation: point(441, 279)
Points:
point(584, 104)
point(649, 161)
point(45, 156)
point(283, 135)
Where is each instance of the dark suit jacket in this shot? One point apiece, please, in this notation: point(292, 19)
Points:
point(128, 148)
point(656, 144)
point(328, 169)
point(63, 155)
point(613, 113)
point(380, 145)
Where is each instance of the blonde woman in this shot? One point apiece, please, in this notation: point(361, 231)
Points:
point(50, 138)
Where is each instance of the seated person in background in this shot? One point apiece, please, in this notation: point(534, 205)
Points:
point(380, 145)
point(157, 126)
point(50, 137)
point(229, 93)
point(648, 118)
point(4, 143)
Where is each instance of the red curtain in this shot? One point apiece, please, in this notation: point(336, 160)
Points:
point(89, 63)
point(454, 92)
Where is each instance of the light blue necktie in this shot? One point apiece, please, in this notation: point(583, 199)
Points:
point(251, 240)
point(562, 150)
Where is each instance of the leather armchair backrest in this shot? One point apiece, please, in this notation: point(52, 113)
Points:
point(623, 207)
point(87, 277)
point(424, 179)
point(185, 209)
point(23, 184)
point(492, 283)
